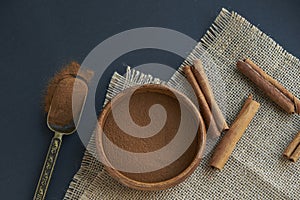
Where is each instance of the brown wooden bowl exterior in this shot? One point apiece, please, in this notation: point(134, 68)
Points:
point(156, 185)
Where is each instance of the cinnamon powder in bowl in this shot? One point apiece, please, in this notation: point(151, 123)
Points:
point(150, 137)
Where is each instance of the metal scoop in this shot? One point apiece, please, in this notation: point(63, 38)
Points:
point(63, 118)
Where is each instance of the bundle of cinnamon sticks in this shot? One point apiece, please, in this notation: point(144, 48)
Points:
point(234, 134)
point(213, 116)
point(215, 120)
point(279, 94)
point(292, 152)
point(209, 109)
point(272, 88)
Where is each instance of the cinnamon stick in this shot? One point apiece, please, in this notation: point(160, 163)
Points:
point(203, 82)
point(292, 152)
point(272, 88)
point(234, 134)
point(203, 105)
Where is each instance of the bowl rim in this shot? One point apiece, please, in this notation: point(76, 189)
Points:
point(152, 186)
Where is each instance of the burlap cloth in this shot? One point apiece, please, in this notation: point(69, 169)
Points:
point(256, 168)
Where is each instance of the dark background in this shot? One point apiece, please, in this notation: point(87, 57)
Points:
point(37, 37)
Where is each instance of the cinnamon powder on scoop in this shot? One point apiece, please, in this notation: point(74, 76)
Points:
point(59, 94)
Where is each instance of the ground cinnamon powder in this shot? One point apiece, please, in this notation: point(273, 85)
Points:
point(138, 108)
point(59, 95)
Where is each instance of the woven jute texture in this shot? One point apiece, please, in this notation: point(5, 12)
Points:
point(256, 169)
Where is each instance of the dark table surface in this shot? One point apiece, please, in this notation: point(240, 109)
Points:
point(38, 37)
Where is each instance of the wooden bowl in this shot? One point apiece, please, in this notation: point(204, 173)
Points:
point(181, 116)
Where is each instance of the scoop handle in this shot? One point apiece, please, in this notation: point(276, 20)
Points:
point(41, 189)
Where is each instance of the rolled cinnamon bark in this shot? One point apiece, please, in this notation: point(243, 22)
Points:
point(210, 123)
point(234, 134)
point(272, 88)
point(292, 152)
point(203, 82)
point(295, 156)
